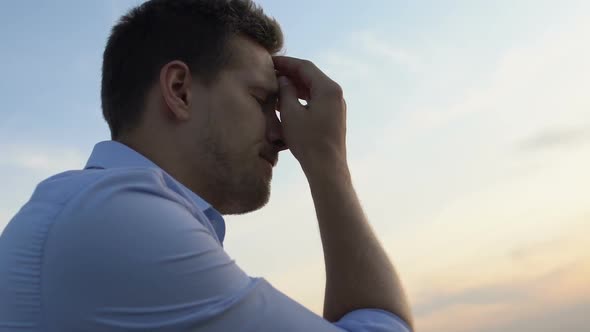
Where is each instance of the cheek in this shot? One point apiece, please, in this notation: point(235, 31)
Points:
point(240, 124)
point(247, 119)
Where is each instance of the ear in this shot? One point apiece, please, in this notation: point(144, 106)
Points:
point(175, 85)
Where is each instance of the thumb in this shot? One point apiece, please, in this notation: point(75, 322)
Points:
point(287, 96)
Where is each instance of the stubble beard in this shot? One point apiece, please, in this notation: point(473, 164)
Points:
point(239, 187)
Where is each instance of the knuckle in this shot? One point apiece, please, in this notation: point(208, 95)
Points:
point(308, 63)
point(335, 90)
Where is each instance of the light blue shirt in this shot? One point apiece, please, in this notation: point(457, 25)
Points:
point(123, 246)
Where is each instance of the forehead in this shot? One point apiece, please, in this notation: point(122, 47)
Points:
point(252, 62)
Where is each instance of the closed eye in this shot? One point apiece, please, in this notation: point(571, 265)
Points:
point(260, 101)
point(266, 103)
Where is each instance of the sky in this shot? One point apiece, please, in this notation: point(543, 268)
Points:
point(468, 142)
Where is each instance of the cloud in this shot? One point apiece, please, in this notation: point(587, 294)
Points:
point(571, 318)
point(555, 137)
point(42, 159)
point(485, 295)
point(532, 85)
point(522, 253)
point(506, 305)
point(383, 51)
point(368, 57)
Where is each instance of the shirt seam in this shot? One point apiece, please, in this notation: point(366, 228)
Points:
point(50, 228)
point(44, 252)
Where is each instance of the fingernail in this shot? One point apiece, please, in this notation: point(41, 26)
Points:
point(283, 81)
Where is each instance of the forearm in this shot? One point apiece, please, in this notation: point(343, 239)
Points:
point(358, 272)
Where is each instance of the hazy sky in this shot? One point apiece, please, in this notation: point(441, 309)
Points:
point(468, 132)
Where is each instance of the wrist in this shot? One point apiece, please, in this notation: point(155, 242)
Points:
point(327, 171)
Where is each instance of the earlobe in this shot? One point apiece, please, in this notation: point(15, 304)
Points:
point(175, 86)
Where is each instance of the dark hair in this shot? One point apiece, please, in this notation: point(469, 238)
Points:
point(159, 31)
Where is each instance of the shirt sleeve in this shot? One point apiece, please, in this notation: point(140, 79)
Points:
point(374, 320)
point(129, 255)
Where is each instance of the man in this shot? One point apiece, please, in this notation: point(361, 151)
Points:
point(133, 242)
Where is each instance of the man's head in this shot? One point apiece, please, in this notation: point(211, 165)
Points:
point(191, 85)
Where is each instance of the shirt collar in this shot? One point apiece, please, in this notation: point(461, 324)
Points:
point(113, 154)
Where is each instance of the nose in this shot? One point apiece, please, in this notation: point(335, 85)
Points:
point(274, 131)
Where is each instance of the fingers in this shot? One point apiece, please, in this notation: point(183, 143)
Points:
point(297, 68)
point(303, 73)
point(287, 96)
point(300, 88)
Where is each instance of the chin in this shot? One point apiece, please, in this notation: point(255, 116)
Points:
point(245, 206)
point(248, 198)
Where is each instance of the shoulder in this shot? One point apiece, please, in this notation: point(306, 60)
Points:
point(127, 241)
point(129, 208)
point(72, 187)
point(98, 192)
point(124, 217)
